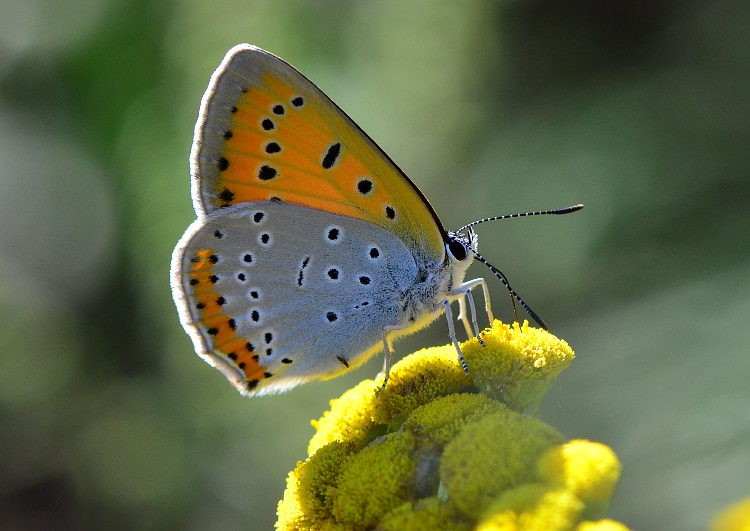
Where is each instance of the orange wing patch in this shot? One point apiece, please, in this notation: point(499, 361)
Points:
point(219, 325)
point(267, 133)
point(272, 149)
point(276, 149)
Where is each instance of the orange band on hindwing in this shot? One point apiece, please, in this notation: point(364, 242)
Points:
point(217, 326)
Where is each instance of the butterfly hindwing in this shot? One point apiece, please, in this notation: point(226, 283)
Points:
point(275, 294)
point(266, 132)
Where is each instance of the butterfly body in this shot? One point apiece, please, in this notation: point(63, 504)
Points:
point(311, 250)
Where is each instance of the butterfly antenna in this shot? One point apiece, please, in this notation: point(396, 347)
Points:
point(513, 295)
point(557, 212)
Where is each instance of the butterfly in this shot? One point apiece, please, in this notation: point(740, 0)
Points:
point(312, 250)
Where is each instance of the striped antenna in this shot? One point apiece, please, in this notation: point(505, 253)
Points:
point(559, 211)
point(513, 295)
point(499, 274)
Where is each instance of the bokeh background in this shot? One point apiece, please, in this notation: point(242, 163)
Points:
point(639, 109)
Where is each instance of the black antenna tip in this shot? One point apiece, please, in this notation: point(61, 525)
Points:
point(536, 318)
point(568, 210)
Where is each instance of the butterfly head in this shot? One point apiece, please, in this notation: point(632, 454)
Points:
point(459, 246)
point(460, 250)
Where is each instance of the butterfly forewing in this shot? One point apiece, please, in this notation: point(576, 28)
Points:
point(268, 133)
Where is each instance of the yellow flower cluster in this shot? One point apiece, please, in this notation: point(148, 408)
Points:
point(441, 450)
point(735, 518)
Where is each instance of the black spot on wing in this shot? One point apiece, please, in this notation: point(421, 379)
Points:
point(266, 173)
point(226, 195)
point(332, 155)
point(301, 273)
point(272, 147)
point(364, 186)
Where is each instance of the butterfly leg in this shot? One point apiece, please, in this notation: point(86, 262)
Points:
point(462, 296)
point(471, 284)
point(487, 307)
point(474, 317)
point(388, 350)
point(452, 334)
point(462, 315)
point(465, 290)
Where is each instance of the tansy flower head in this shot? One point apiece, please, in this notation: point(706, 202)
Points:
point(587, 469)
point(492, 454)
point(437, 449)
point(532, 506)
point(601, 525)
point(518, 365)
point(735, 518)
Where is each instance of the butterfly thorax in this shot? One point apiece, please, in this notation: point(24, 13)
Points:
point(423, 300)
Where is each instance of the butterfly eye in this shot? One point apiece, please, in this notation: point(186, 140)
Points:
point(457, 250)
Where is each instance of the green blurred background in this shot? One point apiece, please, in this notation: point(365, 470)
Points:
point(639, 109)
